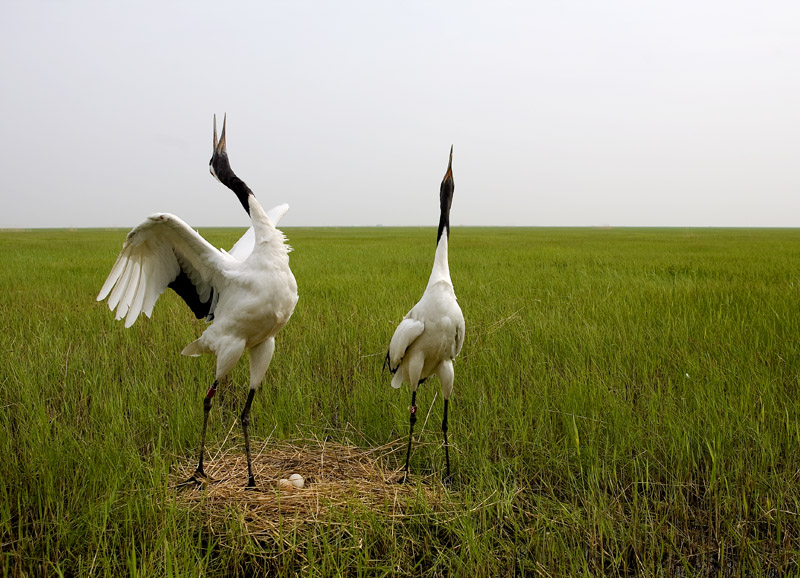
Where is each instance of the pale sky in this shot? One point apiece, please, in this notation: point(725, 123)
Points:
point(576, 113)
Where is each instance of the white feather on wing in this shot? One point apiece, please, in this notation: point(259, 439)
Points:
point(405, 334)
point(244, 246)
point(153, 255)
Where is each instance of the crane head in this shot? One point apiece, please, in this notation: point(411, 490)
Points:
point(447, 187)
point(219, 164)
point(446, 199)
point(449, 173)
point(220, 168)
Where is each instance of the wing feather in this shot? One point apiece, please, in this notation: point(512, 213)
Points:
point(130, 289)
point(138, 297)
point(276, 213)
point(154, 254)
point(244, 246)
point(405, 334)
point(460, 332)
point(119, 289)
point(113, 277)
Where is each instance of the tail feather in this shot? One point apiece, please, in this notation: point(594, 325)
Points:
point(194, 349)
point(397, 380)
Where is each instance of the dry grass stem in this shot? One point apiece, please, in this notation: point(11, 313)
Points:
point(335, 475)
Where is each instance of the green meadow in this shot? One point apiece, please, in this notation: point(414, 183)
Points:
point(627, 402)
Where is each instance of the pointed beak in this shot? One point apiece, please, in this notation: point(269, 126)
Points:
point(219, 146)
point(219, 154)
point(449, 173)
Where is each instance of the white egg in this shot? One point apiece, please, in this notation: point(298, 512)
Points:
point(284, 483)
point(297, 480)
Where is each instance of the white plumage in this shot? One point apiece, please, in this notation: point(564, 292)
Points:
point(248, 292)
point(152, 257)
point(431, 335)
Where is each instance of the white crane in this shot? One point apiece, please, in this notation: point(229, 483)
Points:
point(430, 336)
point(249, 292)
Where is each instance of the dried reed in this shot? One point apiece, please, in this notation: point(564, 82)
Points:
point(336, 476)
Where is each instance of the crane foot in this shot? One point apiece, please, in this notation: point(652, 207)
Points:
point(196, 480)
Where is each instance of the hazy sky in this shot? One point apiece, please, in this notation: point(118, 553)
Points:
point(613, 112)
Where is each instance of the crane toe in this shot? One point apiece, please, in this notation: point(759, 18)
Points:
point(197, 480)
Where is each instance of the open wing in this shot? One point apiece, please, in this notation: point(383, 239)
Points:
point(163, 251)
point(244, 246)
point(405, 334)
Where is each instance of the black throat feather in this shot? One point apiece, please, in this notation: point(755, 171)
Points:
point(223, 171)
point(445, 200)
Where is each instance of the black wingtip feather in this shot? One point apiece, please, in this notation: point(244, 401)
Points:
point(387, 362)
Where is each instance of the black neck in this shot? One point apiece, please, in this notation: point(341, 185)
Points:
point(445, 200)
point(243, 192)
point(227, 177)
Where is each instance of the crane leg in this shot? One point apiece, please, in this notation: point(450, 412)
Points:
point(446, 375)
point(251, 481)
point(199, 475)
point(446, 444)
point(412, 420)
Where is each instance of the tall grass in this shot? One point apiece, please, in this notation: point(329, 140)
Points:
point(626, 402)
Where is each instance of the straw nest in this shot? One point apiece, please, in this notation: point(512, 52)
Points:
point(335, 476)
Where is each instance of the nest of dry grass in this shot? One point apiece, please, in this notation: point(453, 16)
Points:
point(336, 476)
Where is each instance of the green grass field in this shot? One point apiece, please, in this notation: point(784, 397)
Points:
point(626, 403)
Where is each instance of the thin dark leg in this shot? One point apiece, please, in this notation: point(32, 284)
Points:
point(251, 481)
point(446, 445)
point(412, 420)
point(199, 474)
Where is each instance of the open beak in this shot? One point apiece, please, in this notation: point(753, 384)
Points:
point(219, 146)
